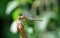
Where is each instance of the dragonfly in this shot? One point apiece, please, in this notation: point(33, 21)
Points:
point(25, 17)
point(20, 27)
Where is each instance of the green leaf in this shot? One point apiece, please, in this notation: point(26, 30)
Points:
point(16, 13)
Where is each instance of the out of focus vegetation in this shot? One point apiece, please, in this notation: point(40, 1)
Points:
point(46, 10)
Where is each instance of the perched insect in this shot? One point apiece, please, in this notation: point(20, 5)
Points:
point(20, 27)
point(25, 17)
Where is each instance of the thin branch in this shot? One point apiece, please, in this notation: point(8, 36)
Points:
point(21, 29)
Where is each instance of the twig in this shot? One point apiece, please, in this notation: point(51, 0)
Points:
point(21, 29)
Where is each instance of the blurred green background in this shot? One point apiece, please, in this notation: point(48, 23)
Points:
point(46, 10)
